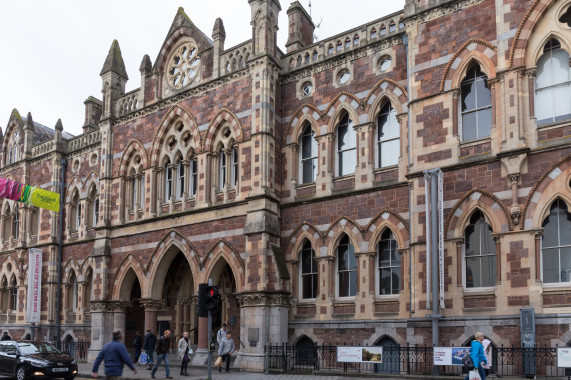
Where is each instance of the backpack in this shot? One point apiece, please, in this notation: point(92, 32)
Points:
point(467, 361)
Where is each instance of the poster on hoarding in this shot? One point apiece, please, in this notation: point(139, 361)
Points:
point(360, 354)
point(564, 357)
point(450, 355)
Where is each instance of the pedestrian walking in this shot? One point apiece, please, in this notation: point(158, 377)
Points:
point(226, 349)
point(115, 356)
point(162, 349)
point(137, 343)
point(221, 334)
point(149, 347)
point(477, 355)
point(184, 352)
point(5, 336)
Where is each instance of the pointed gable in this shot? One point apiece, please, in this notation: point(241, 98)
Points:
point(181, 27)
point(114, 61)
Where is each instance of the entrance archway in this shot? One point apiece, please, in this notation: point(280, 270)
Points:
point(134, 314)
point(229, 313)
point(391, 356)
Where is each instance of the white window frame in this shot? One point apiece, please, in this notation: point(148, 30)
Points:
point(340, 152)
point(301, 274)
point(313, 157)
point(380, 142)
point(337, 283)
point(180, 178)
point(461, 113)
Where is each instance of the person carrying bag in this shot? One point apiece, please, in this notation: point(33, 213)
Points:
point(478, 357)
point(184, 352)
point(225, 351)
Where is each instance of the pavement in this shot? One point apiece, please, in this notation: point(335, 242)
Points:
point(201, 373)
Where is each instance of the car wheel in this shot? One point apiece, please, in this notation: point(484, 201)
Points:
point(21, 373)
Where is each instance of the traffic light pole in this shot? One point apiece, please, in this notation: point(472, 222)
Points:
point(209, 346)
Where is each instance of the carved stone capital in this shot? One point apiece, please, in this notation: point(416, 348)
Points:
point(459, 242)
point(538, 234)
point(294, 147)
point(119, 306)
point(152, 305)
point(402, 251)
point(455, 93)
point(532, 73)
point(492, 83)
point(514, 178)
point(254, 299)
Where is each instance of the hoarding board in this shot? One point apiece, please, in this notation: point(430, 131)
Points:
point(360, 354)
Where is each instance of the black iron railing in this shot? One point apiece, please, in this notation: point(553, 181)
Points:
point(416, 360)
point(77, 349)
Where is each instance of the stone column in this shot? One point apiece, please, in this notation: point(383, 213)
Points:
point(263, 316)
point(365, 155)
point(151, 307)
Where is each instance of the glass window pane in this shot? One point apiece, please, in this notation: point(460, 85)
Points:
point(551, 265)
point(385, 281)
point(309, 170)
point(468, 96)
point(473, 272)
point(342, 138)
point(561, 96)
point(395, 280)
point(390, 152)
point(565, 257)
point(469, 126)
point(344, 284)
point(352, 283)
point(306, 145)
point(347, 162)
point(544, 105)
point(306, 262)
point(307, 284)
point(342, 257)
point(484, 122)
point(543, 76)
point(559, 66)
point(488, 272)
point(550, 237)
point(484, 95)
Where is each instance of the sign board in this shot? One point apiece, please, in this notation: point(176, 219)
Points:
point(360, 354)
point(34, 302)
point(564, 357)
point(450, 355)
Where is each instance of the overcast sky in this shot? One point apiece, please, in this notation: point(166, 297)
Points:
point(51, 52)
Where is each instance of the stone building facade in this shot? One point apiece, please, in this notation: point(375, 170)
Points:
point(294, 180)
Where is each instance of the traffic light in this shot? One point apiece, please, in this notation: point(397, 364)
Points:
point(212, 299)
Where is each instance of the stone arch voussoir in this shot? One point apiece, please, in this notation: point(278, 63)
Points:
point(223, 116)
point(491, 205)
point(223, 250)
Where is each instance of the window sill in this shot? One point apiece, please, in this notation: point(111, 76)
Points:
point(305, 185)
point(553, 125)
point(387, 298)
point(383, 169)
point(556, 287)
point(476, 292)
point(344, 177)
point(464, 144)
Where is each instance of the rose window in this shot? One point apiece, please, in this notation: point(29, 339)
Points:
point(184, 67)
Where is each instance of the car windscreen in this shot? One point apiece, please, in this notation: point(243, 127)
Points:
point(37, 348)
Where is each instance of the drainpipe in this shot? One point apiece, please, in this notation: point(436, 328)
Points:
point(410, 223)
point(60, 249)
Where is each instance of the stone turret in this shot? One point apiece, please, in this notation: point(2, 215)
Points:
point(300, 29)
point(29, 131)
point(218, 37)
point(145, 70)
point(264, 26)
point(93, 108)
point(114, 77)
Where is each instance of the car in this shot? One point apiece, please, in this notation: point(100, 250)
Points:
point(29, 359)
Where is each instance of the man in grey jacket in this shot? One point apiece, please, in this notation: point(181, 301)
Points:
point(226, 349)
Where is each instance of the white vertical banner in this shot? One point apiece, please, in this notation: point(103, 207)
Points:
point(427, 203)
point(34, 304)
point(441, 235)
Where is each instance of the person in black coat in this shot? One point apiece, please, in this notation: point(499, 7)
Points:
point(149, 346)
point(137, 343)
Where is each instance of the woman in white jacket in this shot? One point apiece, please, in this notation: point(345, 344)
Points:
point(184, 352)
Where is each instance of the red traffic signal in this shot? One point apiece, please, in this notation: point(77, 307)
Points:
point(212, 299)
